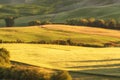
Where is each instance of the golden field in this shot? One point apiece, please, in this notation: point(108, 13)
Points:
point(66, 57)
point(96, 62)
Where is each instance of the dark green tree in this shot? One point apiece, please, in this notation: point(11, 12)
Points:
point(34, 23)
point(10, 21)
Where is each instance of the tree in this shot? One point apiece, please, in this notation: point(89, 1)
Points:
point(34, 23)
point(112, 23)
point(10, 21)
point(83, 22)
point(91, 21)
point(73, 21)
point(99, 23)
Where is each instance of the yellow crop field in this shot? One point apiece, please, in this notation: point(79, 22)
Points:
point(69, 58)
point(75, 59)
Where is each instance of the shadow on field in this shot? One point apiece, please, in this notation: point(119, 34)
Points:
point(20, 63)
point(105, 60)
point(101, 72)
point(29, 65)
point(106, 71)
point(93, 74)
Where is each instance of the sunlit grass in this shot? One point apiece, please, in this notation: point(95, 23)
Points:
point(77, 34)
point(65, 57)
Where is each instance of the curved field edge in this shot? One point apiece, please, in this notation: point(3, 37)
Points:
point(104, 61)
point(48, 33)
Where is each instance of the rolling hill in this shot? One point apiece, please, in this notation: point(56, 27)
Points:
point(58, 11)
point(85, 63)
point(82, 62)
point(51, 33)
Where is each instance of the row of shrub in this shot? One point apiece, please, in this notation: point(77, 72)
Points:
point(73, 43)
point(110, 24)
point(68, 42)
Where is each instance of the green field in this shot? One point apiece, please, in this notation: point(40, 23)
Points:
point(58, 11)
point(79, 60)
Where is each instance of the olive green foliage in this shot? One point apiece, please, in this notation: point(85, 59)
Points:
point(38, 22)
point(62, 75)
point(45, 22)
point(110, 24)
point(9, 21)
point(34, 23)
point(4, 57)
point(67, 42)
point(19, 72)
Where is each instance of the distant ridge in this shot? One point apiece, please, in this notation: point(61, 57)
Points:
point(15, 1)
point(59, 11)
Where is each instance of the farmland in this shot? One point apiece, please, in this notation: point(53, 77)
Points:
point(104, 61)
point(58, 11)
point(48, 33)
point(82, 62)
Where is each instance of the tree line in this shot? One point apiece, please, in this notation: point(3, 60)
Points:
point(110, 24)
point(10, 22)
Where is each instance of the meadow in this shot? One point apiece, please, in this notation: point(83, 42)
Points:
point(77, 60)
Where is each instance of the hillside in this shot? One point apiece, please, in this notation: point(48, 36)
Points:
point(82, 62)
point(59, 10)
point(15, 1)
point(52, 33)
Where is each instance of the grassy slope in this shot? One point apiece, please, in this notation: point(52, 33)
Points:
point(60, 10)
point(104, 12)
point(84, 35)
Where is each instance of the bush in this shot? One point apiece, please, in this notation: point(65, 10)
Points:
point(1, 41)
point(21, 73)
point(99, 23)
point(42, 42)
point(110, 24)
point(4, 57)
point(83, 22)
point(19, 41)
point(112, 44)
point(34, 23)
point(45, 22)
point(37, 22)
point(62, 75)
point(60, 42)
